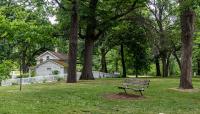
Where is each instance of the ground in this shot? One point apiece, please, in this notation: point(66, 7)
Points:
point(90, 97)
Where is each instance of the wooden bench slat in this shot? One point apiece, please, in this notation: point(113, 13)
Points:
point(135, 84)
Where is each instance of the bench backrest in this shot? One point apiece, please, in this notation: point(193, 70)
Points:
point(136, 82)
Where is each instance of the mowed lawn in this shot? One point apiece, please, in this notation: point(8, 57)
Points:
point(88, 97)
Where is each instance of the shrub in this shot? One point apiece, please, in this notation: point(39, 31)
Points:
point(58, 78)
point(45, 80)
point(55, 72)
point(33, 73)
point(25, 75)
point(5, 68)
point(14, 83)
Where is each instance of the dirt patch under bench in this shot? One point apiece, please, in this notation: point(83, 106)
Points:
point(123, 96)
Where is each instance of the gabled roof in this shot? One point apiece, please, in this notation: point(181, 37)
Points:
point(64, 64)
point(61, 63)
point(60, 56)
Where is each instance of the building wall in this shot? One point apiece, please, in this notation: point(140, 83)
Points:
point(44, 57)
point(47, 69)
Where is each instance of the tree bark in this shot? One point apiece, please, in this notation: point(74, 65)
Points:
point(167, 65)
point(164, 67)
point(198, 66)
point(123, 61)
point(116, 64)
point(89, 41)
point(23, 59)
point(158, 73)
point(187, 29)
point(87, 66)
point(136, 73)
point(73, 39)
point(177, 60)
point(103, 61)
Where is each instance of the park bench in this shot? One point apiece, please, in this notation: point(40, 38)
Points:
point(135, 84)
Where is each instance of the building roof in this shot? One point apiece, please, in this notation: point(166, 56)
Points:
point(58, 55)
point(61, 63)
point(61, 56)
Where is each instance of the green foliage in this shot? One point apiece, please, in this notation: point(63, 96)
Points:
point(24, 34)
point(185, 4)
point(5, 68)
point(33, 73)
point(134, 38)
point(55, 72)
point(137, 49)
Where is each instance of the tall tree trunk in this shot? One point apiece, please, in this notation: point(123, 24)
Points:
point(103, 61)
point(89, 41)
point(198, 66)
point(136, 73)
point(167, 65)
point(187, 27)
point(164, 67)
point(73, 39)
point(177, 59)
point(116, 65)
point(87, 66)
point(158, 73)
point(23, 59)
point(24, 66)
point(123, 61)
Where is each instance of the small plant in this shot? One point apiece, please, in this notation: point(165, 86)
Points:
point(25, 75)
point(45, 80)
point(33, 73)
point(14, 83)
point(55, 72)
point(58, 78)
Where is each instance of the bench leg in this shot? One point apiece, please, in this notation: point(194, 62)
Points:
point(141, 93)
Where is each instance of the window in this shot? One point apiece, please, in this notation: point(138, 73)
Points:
point(47, 57)
point(41, 60)
point(48, 68)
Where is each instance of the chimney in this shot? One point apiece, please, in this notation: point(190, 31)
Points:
point(56, 49)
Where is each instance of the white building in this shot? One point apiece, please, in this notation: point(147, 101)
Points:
point(51, 63)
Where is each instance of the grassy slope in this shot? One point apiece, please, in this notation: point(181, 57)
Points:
point(87, 97)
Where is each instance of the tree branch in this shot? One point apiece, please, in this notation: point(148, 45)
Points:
point(61, 5)
point(122, 14)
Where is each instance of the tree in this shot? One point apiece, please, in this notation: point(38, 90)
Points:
point(97, 24)
point(130, 37)
point(27, 34)
point(96, 17)
point(71, 78)
point(162, 12)
point(187, 29)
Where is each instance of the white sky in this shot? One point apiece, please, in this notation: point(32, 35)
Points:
point(52, 19)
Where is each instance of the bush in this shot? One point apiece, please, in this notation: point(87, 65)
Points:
point(33, 73)
point(14, 83)
point(45, 80)
point(5, 68)
point(25, 75)
point(59, 78)
point(55, 72)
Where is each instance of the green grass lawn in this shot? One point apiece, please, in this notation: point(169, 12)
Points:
point(88, 97)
